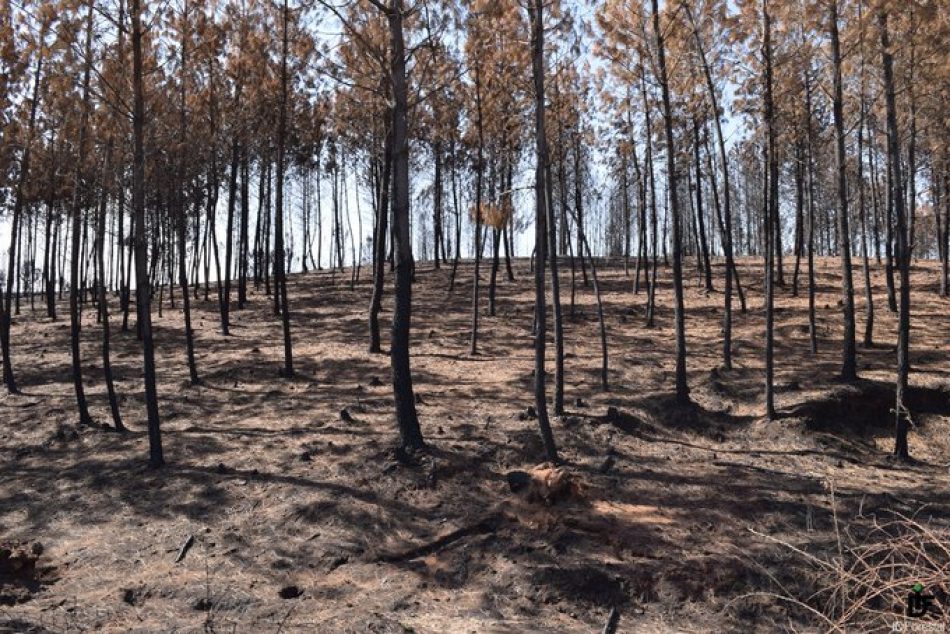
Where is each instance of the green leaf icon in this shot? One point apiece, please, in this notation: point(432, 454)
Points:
point(918, 587)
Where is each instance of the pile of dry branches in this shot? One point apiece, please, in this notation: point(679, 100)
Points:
point(864, 582)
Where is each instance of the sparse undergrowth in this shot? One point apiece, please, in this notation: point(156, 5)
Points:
point(885, 571)
point(304, 521)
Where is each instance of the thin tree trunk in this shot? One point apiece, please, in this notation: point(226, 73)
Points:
point(945, 276)
point(75, 325)
point(280, 277)
point(902, 414)
point(682, 389)
point(182, 217)
point(707, 269)
point(889, 235)
point(862, 207)
point(477, 220)
point(458, 222)
point(437, 205)
point(229, 238)
point(868, 296)
point(771, 211)
point(103, 295)
point(243, 235)
point(799, 215)
point(579, 202)
point(849, 365)
point(810, 169)
point(143, 290)
point(379, 241)
point(407, 420)
point(648, 166)
point(535, 13)
point(555, 298)
point(495, 262)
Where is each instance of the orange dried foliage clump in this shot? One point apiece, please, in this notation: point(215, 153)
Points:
point(494, 215)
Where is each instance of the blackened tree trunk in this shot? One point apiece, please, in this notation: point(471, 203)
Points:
point(280, 276)
point(849, 366)
point(477, 220)
point(902, 249)
point(535, 13)
point(49, 264)
point(584, 244)
point(649, 177)
point(49, 257)
point(6, 301)
point(579, 201)
point(75, 326)
point(379, 240)
point(507, 232)
point(810, 172)
point(704, 245)
point(142, 287)
point(911, 208)
point(889, 254)
point(799, 214)
point(243, 231)
point(259, 265)
point(625, 208)
point(682, 390)
point(945, 275)
point(771, 211)
point(458, 220)
point(495, 263)
point(103, 300)
point(555, 296)
point(181, 220)
point(229, 237)
point(862, 208)
point(407, 420)
point(437, 220)
point(642, 255)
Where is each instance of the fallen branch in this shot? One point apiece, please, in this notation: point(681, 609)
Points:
point(487, 525)
point(185, 548)
point(740, 465)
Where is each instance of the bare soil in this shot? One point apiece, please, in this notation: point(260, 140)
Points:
point(302, 521)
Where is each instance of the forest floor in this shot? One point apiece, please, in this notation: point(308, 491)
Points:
point(304, 522)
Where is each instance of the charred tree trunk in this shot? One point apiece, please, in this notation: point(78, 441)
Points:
point(243, 232)
point(810, 172)
point(535, 13)
point(143, 289)
point(799, 214)
point(477, 219)
point(75, 325)
point(849, 365)
point(103, 296)
point(902, 248)
point(771, 211)
point(379, 241)
point(649, 177)
point(704, 245)
point(280, 276)
point(229, 238)
point(579, 202)
point(410, 434)
point(682, 390)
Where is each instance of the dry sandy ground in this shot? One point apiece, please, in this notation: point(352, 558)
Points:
point(279, 491)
